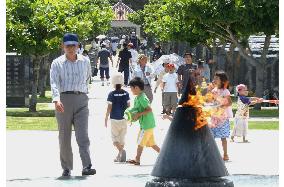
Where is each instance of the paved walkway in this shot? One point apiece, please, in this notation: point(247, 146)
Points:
point(33, 156)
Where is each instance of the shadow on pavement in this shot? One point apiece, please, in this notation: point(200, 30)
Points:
point(72, 178)
point(132, 176)
point(19, 180)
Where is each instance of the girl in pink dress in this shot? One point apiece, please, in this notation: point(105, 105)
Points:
point(220, 123)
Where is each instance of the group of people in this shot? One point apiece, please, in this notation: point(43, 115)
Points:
point(118, 101)
point(127, 57)
point(69, 78)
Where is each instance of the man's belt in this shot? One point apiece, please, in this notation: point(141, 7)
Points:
point(73, 92)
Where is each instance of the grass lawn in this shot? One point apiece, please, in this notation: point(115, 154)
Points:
point(31, 123)
point(262, 113)
point(49, 123)
point(43, 110)
point(261, 125)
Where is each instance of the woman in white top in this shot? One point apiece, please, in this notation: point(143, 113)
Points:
point(145, 72)
point(134, 53)
point(134, 59)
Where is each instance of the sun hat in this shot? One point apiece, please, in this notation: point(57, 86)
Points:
point(117, 79)
point(170, 66)
point(240, 87)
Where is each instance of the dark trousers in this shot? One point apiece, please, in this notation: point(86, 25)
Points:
point(103, 72)
point(113, 53)
point(126, 74)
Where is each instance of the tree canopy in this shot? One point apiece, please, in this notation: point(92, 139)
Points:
point(37, 26)
point(197, 21)
point(204, 21)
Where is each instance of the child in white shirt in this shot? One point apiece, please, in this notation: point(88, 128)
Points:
point(170, 89)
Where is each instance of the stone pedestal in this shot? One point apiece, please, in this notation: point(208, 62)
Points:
point(205, 182)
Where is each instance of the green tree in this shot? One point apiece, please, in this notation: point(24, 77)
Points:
point(202, 21)
point(35, 27)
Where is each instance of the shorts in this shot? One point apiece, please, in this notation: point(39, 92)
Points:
point(146, 138)
point(170, 99)
point(104, 72)
point(118, 130)
point(148, 92)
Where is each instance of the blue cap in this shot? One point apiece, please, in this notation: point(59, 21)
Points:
point(70, 39)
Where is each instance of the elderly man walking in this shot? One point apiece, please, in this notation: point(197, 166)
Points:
point(69, 77)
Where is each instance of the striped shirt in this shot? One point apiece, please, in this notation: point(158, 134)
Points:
point(69, 76)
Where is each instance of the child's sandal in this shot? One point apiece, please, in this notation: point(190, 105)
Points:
point(133, 162)
point(226, 158)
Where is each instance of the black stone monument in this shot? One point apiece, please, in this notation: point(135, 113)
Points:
point(17, 78)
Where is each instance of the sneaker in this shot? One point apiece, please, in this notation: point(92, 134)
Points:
point(123, 156)
point(66, 173)
point(88, 170)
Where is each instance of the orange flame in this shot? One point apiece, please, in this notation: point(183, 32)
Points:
point(203, 114)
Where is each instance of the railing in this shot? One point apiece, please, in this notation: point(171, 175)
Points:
point(271, 94)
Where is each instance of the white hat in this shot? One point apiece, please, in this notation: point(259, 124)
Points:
point(117, 79)
point(123, 36)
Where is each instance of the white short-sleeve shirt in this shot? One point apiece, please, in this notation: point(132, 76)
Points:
point(170, 80)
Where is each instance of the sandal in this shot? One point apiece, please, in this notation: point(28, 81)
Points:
point(226, 158)
point(133, 162)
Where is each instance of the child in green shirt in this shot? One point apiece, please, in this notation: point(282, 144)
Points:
point(146, 119)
